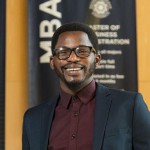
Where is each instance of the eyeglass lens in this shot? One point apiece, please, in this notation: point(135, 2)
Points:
point(80, 51)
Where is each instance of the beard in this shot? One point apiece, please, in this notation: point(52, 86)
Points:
point(76, 84)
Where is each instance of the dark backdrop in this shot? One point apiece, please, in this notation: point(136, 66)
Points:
point(114, 23)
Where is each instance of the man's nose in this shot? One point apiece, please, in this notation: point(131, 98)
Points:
point(73, 57)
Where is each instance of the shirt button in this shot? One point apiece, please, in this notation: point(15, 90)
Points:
point(75, 113)
point(73, 136)
point(74, 99)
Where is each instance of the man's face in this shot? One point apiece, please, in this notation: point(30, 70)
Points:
point(74, 72)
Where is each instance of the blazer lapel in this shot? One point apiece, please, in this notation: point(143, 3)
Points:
point(47, 117)
point(103, 103)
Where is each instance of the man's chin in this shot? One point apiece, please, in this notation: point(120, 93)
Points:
point(74, 85)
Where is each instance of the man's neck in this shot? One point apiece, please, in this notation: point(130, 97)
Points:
point(72, 91)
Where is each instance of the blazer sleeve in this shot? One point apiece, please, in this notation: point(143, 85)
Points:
point(25, 134)
point(141, 124)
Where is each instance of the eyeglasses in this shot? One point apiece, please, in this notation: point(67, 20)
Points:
point(81, 51)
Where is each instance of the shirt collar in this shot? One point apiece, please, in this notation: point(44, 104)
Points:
point(85, 95)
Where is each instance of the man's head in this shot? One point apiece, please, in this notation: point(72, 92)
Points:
point(74, 56)
point(75, 27)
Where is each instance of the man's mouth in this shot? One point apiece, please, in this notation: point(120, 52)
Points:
point(74, 69)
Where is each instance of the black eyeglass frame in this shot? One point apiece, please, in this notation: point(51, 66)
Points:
point(74, 50)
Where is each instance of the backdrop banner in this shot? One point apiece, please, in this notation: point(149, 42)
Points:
point(2, 71)
point(114, 24)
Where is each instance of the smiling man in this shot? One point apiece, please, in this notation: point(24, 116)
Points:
point(74, 60)
point(85, 115)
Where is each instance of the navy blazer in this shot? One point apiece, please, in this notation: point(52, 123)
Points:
point(122, 122)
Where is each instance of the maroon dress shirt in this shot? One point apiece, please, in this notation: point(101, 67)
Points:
point(73, 123)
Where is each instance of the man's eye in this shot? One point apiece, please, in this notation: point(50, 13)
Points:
point(63, 52)
point(82, 51)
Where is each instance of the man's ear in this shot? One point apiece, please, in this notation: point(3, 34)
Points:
point(51, 62)
point(97, 59)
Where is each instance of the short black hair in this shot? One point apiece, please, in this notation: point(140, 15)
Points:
point(75, 26)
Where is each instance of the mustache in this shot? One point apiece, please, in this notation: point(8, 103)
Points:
point(73, 65)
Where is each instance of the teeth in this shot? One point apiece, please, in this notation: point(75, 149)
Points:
point(73, 69)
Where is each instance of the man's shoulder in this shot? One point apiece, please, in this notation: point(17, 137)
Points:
point(122, 98)
point(37, 110)
point(118, 93)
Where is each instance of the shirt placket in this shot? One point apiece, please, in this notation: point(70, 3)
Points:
point(74, 122)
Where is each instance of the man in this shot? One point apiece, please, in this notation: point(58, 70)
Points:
point(85, 115)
